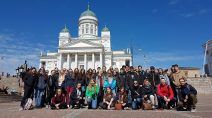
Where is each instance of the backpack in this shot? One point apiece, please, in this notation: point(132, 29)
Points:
point(28, 104)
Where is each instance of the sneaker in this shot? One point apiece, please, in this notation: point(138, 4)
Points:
point(21, 109)
point(47, 106)
point(193, 110)
point(153, 107)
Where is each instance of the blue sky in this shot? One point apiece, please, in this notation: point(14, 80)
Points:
point(166, 31)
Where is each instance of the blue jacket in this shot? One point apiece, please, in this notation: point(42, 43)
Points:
point(69, 81)
point(112, 85)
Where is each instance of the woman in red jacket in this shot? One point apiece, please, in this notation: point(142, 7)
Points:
point(165, 95)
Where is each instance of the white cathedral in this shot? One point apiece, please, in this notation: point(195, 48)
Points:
point(88, 50)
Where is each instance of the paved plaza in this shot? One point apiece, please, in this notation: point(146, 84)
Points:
point(204, 110)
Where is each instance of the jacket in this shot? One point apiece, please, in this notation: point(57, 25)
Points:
point(147, 90)
point(187, 89)
point(92, 93)
point(165, 90)
point(111, 85)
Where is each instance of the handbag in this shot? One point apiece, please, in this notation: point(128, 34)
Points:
point(118, 106)
point(147, 106)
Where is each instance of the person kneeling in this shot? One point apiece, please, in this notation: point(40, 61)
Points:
point(122, 99)
point(148, 95)
point(165, 95)
point(136, 95)
point(188, 99)
point(108, 99)
point(58, 101)
point(92, 91)
point(77, 97)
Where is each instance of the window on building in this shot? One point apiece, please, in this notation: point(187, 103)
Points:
point(92, 29)
point(82, 29)
point(87, 28)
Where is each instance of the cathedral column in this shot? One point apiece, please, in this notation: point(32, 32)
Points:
point(68, 61)
point(93, 60)
point(76, 60)
point(85, 61)
point(60, 61)
point(101, 59)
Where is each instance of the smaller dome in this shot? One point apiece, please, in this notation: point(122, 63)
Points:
point(65, 29)
point(105, 29)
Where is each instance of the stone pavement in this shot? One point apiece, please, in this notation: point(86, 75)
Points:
point(204, 110)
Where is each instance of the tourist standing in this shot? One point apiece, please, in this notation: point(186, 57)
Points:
point(29, 84)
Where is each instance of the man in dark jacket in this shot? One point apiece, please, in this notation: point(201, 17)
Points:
point(132, 76)
point(153, 77)
point(29, 84)
point(77, 97)
point(141, 75)
point(188, 98)
point(122, 80)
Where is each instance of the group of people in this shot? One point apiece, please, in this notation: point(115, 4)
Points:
point(113, 88)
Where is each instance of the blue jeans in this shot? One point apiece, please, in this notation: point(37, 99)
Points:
point(39, 97)
point(92, 102)
point(136, 103)
point(129, 98)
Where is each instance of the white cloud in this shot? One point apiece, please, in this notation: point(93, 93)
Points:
point(173, 2)
point(16, 48)
point(166, 59)
point(187, 15)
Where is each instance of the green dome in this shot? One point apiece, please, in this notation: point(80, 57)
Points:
point(88, 12)
point(105, 29)
point(65, 29)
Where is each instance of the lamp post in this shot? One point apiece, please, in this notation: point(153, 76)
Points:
point(17, 72)
point(21, 69)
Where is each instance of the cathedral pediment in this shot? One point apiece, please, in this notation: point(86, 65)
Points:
point(81, 43)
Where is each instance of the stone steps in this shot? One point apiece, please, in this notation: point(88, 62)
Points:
point(9, 98)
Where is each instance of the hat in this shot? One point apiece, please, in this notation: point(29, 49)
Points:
point(152, 67)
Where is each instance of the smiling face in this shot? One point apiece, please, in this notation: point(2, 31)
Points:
point(135, 83)
point(59, 92)
point(163, 81)
point(108, 90)
point(182, 82)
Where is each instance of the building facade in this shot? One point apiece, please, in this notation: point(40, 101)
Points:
point(88, 50)
point(191, 72)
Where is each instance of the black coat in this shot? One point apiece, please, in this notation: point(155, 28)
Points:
point(123, 81)
point(132, 76)
point(187, 89)
point(30, 80)
point(74, 96)
point(136, 92)
point(147, 90)
point(141, 77)
point(154, 79)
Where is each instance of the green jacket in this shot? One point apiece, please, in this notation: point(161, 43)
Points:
point(90, 93)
